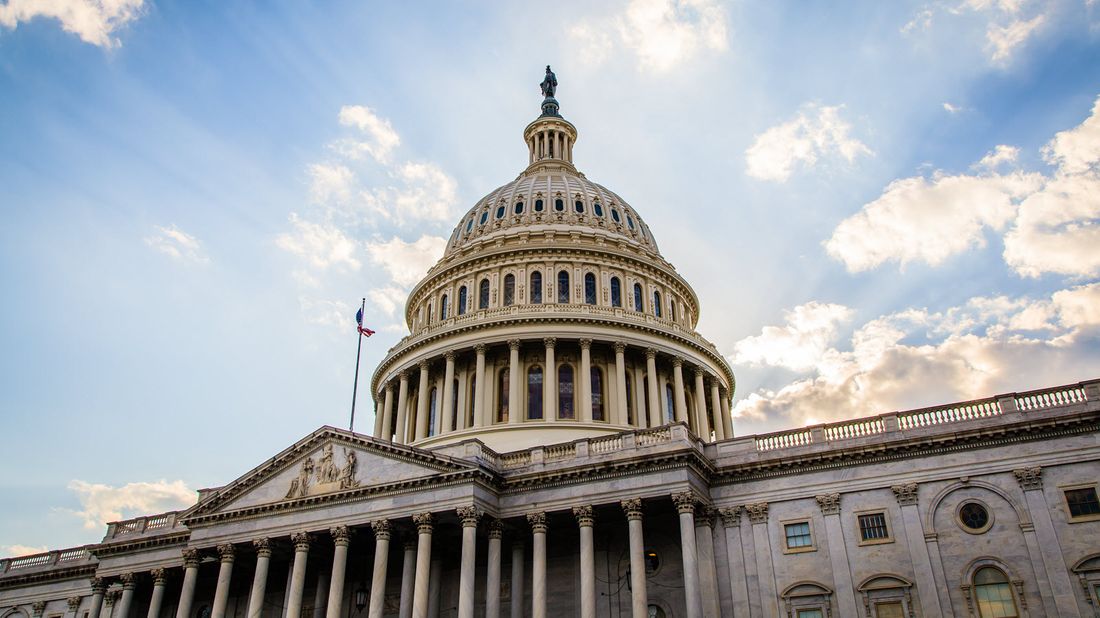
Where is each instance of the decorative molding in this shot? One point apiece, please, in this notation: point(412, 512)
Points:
point(191, 558)
point(685, 502)
point(160, 576)
point(38, 607)
point(382, 529)
point(586, 344)
point(127, 581)
point(99, 586)
point(677, 362)
point(537, 522)
point(829, 503)
point(620, 347)
point(301, 540)
point(633, 508)
point(449, 355)
point(424, 523)
point(584, 516)
point(479, 349)
point(341, 536)
point(262, 547)
point(731, 516)
point(758, 512)
point(550, 342)
point(906, 493)
point(74, 603)
point(469, 515)
point(110, 597)
point(514, 344)
point(704, 516)
point(698, 372)
point(1029, 478)
point(650, 353)
point(227, 552)
point(495, 528)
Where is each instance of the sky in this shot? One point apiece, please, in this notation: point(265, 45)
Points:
point(881, 206)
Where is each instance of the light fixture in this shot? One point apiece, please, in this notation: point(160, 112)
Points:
point(360, 598)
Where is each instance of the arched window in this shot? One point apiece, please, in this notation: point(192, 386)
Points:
point(563, 286)
point(578, 206)
point(596, 208)
point(590, 288)
point(671, 308)
point(559, 205)
point(469, 225)
point(443, 307)
point(484, 217)
point(630, 221)
point(597, 395)
point(670, 406)
point(638, 301)
point(433, 406)
point(534, 393)
point(536, 288)
point(509, 290)
point(519, 208)
point(462, 300)
point(538, 205)
point(428, 317)
point(656, 303)
point(502, 390)
point(566, 409)
point(483, 294)
point(500, 211)
point(616, 293)
point(993, 594)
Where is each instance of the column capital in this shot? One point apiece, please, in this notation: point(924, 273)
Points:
point(550, 342)
point(584, 516)
point(449, 356)
point(381, 529)
point(191, 558)
point(698, 372)
point(758, 513)
point(495, 527)
point(341, 536)
point(1029, 478)
point(74, 603)
point(704, 516)
point(262, 547)
point(514, 344)
point(620, 347)
point(650, 353)
point(424, 523)
point(480, 349)
point(677, 361)
point(110, 597)
point(632, 507)
point(301, 541)
point(403, 375)
point(685, 502)
point(731, 516)
point(159, 575)
point(906, 493)
point(424, 364)
point(38, 608)
point(98, 585)
point(829, 503)
point(469, 515)
point(537, 521)
point(585, 344)
point(127, 580)
point(227, 552)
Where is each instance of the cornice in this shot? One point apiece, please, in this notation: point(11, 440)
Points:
point(74, 572)
point(685, 458)
point(115, 548)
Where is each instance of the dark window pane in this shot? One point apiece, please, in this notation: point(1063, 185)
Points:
point(559, 205)
point(873, 526)
point(566, 409)
point(538, 205)
point(509, 290)
point(597, 395)
point(484, 217)
point(500, 212)
point(433, 406)
point(502, 410)
point(590, 289)
point(657, 304)
point(462, 300)
point(443, 308)
point(534, 393)
point(483, 295)
point(1082, 502)
point(974, 516)
point(615, 215)
point(616, 293)
point(519, 208)
point(638, 298)
point(578, 206)
point(536, 288)
point(563, 287)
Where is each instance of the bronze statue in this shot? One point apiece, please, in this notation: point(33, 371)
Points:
point(549, 84)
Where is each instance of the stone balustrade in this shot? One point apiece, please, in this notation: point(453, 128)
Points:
point(53, 558)
point(141, 525)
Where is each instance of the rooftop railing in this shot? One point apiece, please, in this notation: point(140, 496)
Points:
point(49, 558)
point(142, 525)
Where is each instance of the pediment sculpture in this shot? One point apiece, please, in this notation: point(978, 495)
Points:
point(324, 476)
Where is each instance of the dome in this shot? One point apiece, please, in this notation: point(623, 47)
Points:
point(551, 317)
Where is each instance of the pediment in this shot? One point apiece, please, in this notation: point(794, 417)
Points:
point(326, 465)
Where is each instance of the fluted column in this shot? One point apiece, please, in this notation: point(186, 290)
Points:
point(639, 601)
point(74, 602)
point(381, 560)
point(127, 599)
point(492, 570)
point(517, 579)
point(402, 408)
point(678, 395)
point(301, 542)
point(735, 556)
point(466, 577)
point(538, 563)
point(424, 527)
point(514, 405)
point(550, 382)
point(156, 600)
point(685, 505)
point(422, 391)
point(259, 579)
point(716, 405)
point(387, 414)
point(654, 403)
point(187, 590)
point(98, 588)
point(445, 408)
point(479, 387)
point(586, 381)
point(585, 521)
point(109, 601)
point(341, 538)
point(408, 574)
point(620, 414)
point(708, 573)
point(226, 555)
point(727, 420)
point(702, 424)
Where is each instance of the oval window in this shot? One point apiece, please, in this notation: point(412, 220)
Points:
point(559, 205)
point(597, 209)
point(484, 217)
point(500, 212)
point(538, 205)
point(630, 222)
point(519, 208)
point(469, 225)
point(974, 517)
point(615, 215)
point(578, 206)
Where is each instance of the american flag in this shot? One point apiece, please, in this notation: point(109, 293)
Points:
point(366, 332)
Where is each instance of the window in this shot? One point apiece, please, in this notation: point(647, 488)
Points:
point(810, 613)
point(596, 208)
point(873, 527)
point(483, 295)
point(672, 308)
point(454, 404)
point(428, 318)
point(993, 594)
point(974, 517)
point(509, 290)
point(630, 222)
point(462, 300)
point(629, 398)
point(616, 293)
point(433, 406)
point(798, 536)
point(615, 215)
point(597, 395)
point(519, 208)
point(1082, 502)
point(538, 205)
point(590, 289)
point(670, 407)
point(889, 609)
point(578, 206)
point(559, 205)
point(656, 303)
point(536, 287)
point(638, 298)
point(534, 393)
point(565, 392)
point(469, 225)
point(502, 390)
point(484, 217)
point(443, 307)
point(500, 211)
point(652, 562)
point(563, 286)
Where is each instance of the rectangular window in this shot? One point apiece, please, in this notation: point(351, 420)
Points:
point(872, 527)
point(810, 613)
point(798, 535)
point(889, 609)
point(1082, 502)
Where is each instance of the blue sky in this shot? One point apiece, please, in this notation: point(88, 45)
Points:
point(881, 205)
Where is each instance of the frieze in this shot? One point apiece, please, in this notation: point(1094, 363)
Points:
point(325, 476)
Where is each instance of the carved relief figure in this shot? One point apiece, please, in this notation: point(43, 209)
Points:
point(299, 487)
point(327, 472)
point(347, 473)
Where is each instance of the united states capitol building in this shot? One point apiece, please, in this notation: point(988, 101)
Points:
point(554, 437)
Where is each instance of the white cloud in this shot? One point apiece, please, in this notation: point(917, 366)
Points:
point(1008, 23)
point(1003, 40)
point(330, 183)
point(14, 551)
point(334, 313)
point(381, 137)
point(815, 132)
point(800, 344)
point(177, 244)
point(1058, 229)
point(406, 262)
point(661, 34)
point(94, 21)
point(1077, 150)
point(1001, 155)
point(103, 503)
point(951, 108)
point(389, 300)
point(321, 245)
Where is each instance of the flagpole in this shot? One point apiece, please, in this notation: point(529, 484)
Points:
point(358, 352)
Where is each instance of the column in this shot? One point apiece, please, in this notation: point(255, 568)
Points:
point(445, 408)
point(492, 570)
point(586, 381)
point(708, 572)
point(1031, 482)
point(187, 591)
point(127, 599)
point(259, 580)
point(226, 554)
point(735, 557)
point(515, 407)
point(435, 576)
point(479, 387)
point(716, 406)
point(678, 397)
point(98, 588)
point(538, 563)
point(765, 573)
point(550, 382)
point(108, 600)
point(838, 553)
point(387, 414)
point(301, 542)
point(639, 600)
point(381, 559)
point(74, 602)
point(702, 424)
point(466, 577)
point(424, 528)
point(727, 420)
point(377, 418)
point(620, 384)
point(341, 538)
point(160, 579)
point(422, 391)
point(517, 579)
point(655, 419)
point(585, 521)
point(320, 594)
point(907, 496)
point(408, 572)
point(685, 505)
point(641, 416)
point(402, 407)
